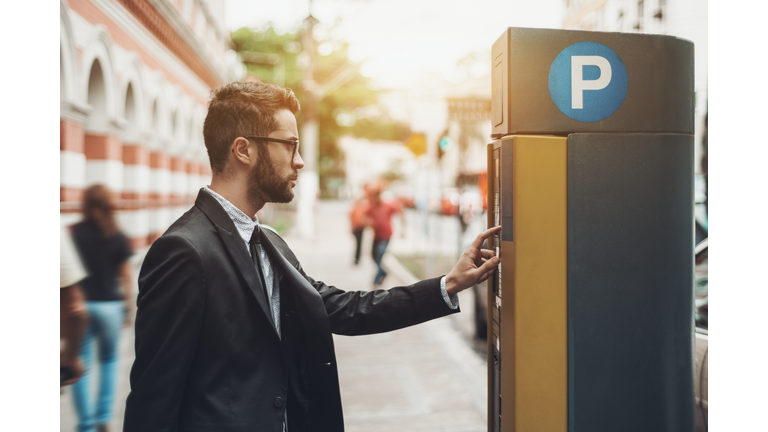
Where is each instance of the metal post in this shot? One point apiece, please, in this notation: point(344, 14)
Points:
point(308, 182)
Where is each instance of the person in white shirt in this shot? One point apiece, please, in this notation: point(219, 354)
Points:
point(72, 315)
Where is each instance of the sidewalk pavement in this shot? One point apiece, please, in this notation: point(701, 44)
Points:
point(424, 378)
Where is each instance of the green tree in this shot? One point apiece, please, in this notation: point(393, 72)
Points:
point(273, 57)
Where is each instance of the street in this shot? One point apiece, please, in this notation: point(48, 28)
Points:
point(422, 378)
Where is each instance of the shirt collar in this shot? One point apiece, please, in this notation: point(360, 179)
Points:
point(244, 224)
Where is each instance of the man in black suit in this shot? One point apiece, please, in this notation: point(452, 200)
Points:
point(231, 334)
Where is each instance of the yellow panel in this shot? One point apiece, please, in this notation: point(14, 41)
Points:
point(534, 342)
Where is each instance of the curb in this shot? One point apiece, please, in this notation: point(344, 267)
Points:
point(398, 270)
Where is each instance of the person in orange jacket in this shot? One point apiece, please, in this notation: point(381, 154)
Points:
point(357, 220)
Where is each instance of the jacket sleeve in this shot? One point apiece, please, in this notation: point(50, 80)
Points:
point(171, 303)
point(355, 313)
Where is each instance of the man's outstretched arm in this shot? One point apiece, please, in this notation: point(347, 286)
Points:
point(367, 312)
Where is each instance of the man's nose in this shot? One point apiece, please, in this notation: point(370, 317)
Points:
point(298, 162)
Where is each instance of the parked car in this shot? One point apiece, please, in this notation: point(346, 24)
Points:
point(701, 299)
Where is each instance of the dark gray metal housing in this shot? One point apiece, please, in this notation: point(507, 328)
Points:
point(630, 282)
point(660, 95)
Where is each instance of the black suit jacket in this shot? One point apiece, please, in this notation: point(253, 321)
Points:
point(208, 356)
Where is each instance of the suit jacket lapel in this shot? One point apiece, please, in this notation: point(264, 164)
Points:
point(309, 303)
point(236, 248)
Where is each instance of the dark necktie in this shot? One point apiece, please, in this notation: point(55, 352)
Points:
point(255, 246)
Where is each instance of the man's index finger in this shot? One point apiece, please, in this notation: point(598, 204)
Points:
point(484, 235)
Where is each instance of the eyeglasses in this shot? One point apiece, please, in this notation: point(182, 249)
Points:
point(294, 142)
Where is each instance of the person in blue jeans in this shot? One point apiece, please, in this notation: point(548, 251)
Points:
point(379, 217)
point(104, 251)
point(377, 251)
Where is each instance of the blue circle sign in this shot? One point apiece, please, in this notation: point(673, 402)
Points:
point(588, 81)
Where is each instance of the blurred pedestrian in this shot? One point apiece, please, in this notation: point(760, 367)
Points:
point(105, 252)
point(72, 315)
point(357, 220)
point(379, 217)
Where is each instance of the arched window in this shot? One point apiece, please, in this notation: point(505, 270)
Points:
point(131, 133)
point(130, 106)
point(97, 99)
point(62, 73)
point(174, 125)
point(154, 121)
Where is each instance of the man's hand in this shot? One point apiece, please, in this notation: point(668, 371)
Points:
point(75, 366)
point(73, 319)
point(474, 266)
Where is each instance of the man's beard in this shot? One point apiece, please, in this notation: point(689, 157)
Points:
point(264, 185)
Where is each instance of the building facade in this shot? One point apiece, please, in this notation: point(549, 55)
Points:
point(686, 19)
point(135, 79)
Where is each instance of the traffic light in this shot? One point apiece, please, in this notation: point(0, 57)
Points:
point(443, 145)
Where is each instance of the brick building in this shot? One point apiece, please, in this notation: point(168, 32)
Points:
point(135, 81)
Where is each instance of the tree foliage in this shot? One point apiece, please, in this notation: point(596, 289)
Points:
point(273, 57)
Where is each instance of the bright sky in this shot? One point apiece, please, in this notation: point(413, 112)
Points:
point(399, 39)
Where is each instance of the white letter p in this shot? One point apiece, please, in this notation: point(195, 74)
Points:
point(578, 84)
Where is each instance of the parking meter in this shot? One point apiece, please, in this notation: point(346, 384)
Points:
point(590, 176)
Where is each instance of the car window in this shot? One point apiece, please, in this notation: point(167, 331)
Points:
point(701, 286)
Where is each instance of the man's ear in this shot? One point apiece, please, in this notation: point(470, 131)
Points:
point(243, 152)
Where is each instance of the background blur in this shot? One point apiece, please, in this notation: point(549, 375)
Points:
point(381, 83)
point(393, 91)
